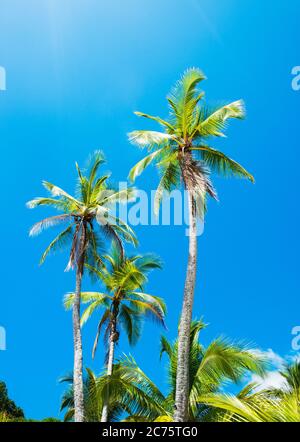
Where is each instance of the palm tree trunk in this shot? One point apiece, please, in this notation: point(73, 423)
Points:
point(78, 382)
point(182, 376)
point(77, 373)
point(113, 337)
point(110, 363)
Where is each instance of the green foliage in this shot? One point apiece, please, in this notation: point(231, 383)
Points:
point(180, 150)
point(123, 279)
point(8, 409)
point(93, 401)
point(90, 208)
point(51, 419)
point(211, 369)
point(253, 405)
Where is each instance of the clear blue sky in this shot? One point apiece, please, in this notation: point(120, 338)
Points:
point(75, 72)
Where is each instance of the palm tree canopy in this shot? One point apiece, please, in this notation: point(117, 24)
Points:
point(182, 149)
point(256, 405)
point(291, 373)
point(123, 279)
point(92, 204)
point(211, 369)
point(93, 402)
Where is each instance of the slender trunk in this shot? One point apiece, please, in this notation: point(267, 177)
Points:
point(110, 363)
point(113, 337)
point(182, 376)
point(77, 374)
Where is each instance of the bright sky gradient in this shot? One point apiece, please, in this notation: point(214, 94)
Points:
point(76, 71)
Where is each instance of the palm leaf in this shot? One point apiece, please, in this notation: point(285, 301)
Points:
point(61, 205)
point(184, 99)
point(57, 191)
point(59, 242)
point(170, 179)
point(131, 322)
point(37, 228)
point(215, 122)
point(149, 139)
point(141, 165)
point(223, 165)
point(157, 119)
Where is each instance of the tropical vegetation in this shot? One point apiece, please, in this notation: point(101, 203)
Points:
point(8, 408)
point(183, 155)
point(204, 383)
point(89, 220)
point(134, 397)
point(124, 303)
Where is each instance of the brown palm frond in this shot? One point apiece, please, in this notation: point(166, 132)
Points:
point(48, 222)
point(196, 176)
point(103, 320)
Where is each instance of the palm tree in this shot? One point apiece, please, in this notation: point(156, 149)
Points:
point(124, 302)
point(210, 368)
point(91, 205)
point(182, 155)
point(291, 374)
point(93, 403)
point(255, 405)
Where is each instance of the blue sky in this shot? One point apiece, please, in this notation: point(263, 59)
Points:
point(76, 70)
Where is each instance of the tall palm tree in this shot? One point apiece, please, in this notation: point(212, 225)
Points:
point(183, 156)
point(210, 368)
point(124, 302)
point(91, 206)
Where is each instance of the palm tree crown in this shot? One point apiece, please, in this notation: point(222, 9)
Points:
point(181, 150)
point(124, 300)
point(94, 201)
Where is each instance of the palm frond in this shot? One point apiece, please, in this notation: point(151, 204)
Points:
point(61, 205)
point(214, 123)
point(131, 323)
point(105, 319)
point(58, 192)
point(120, 196)
point(170, 178)
point(86, 297)
point(96, 160)
point(37, 228)
point(102, 301)
point(222, 164)
point(165, 347)
point(159, 120)
point(159, 303)
point(60, 242)
point(184, 98)
point(150, 309)
point(225, 360)
point(149, 139)
point(148, 262)
point(141, 165)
